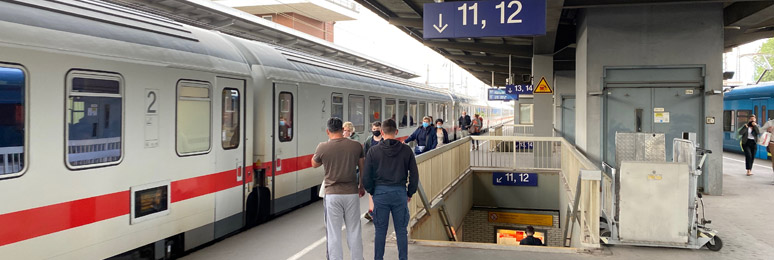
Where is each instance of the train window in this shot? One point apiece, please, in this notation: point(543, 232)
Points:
point(357, 112)
point(525, 114)
point(389, 107)
point(422, 110)
point(94, 119)
point(742, 116)
point(375, 109)
point(728, 124)
point(230, 132)
point(285, 116)
point(762, 118)
point(413, 113)
point(337, 105)
point(193, 118)
point(771, 115)
point(403, 112)
point(13, 85)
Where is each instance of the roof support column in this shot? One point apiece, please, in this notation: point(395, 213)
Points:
point(542, 110)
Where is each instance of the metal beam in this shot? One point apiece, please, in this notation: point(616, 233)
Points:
point(495, 68)
point(746, 13)
point(408, 22)
point(522, 63)
point(518, 51)
point(574, 4)
point(413, 7)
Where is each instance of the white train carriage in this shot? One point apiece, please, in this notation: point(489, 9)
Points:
point(125, 133)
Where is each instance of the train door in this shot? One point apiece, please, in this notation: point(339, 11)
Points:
point(229, 105)
point(759, 109)
point(285, 158)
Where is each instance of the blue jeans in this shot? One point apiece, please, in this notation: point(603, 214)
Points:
point(390, 199)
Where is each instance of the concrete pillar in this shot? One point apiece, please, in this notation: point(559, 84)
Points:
point(543, 66)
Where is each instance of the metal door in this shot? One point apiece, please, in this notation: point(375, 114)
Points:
point(285, 158)
point(627, 110)
point(568, 119)
point(229, 110)
point(681, 110)
point(759, 108)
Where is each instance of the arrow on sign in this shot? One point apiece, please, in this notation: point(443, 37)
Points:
point(499, 180)
point(440, 23)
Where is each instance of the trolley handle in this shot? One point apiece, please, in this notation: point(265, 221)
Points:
point(704, 154)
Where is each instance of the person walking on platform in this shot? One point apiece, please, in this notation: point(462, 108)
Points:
point(530, 240)
point(425, 137)
point(391, 177)
point(440, 132)
point(475, 129)
point(373, 140)
point(464, 123)
point(749, 139)
point(343, 188)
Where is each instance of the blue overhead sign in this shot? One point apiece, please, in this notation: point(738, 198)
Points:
point(500, 95)
point(519, 89)
point(514, 179)
point(491, 18)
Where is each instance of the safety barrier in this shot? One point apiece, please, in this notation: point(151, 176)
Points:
point(11, 159)
point(92, 151)
point(442, 169)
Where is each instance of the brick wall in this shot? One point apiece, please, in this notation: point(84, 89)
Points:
point(477, 227)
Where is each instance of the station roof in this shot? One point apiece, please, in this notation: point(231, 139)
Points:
point(745, 21)
point(210, 15)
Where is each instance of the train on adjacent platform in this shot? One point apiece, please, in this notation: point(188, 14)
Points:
point(123, 133)
point(738, 105)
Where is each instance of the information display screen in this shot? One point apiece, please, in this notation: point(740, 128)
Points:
point(513, 237)
point(149, 201)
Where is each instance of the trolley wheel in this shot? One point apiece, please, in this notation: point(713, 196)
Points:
point(715, 244)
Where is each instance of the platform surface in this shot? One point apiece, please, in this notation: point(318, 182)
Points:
point(743, 216)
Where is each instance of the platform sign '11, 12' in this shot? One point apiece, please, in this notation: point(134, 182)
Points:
point(497, 18)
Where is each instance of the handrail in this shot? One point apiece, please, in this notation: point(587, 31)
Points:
point(442, 167)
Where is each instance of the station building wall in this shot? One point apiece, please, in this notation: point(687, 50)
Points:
point(658, 35)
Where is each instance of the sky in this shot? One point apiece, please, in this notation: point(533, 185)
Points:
point(740, 60)
point(375, 37)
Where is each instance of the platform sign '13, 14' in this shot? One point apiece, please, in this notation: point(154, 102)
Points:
point(491, 18)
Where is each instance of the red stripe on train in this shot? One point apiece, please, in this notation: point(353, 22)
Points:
point(31, 223)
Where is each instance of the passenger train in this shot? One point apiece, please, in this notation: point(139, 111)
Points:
point(123, 132)
point(738, 105)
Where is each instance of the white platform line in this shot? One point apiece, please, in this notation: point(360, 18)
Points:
point(311, 247)
point(308, 249)
point(757, 165)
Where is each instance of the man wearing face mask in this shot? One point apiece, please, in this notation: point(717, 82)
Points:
point(374, 139)
point(425, 137)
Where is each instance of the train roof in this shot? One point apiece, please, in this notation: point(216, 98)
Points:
point(754, 91)
point(111, 30)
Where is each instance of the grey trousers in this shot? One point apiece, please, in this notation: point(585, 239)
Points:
point(343, 209)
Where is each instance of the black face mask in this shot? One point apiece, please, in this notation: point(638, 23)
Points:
point(377, 133)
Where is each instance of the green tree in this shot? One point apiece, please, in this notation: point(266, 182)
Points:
point(767, 49)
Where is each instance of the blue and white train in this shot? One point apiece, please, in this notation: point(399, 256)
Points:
point(738, 105)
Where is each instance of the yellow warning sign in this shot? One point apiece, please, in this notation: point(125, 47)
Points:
point(521, 218)
point(543, 87)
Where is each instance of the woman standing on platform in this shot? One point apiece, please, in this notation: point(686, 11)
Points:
point(749, 140)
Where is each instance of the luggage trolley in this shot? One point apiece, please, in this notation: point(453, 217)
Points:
point(647, 188)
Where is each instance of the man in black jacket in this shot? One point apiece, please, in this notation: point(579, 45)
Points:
point(530, 240)
point(464, 123)
point(389, 166)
